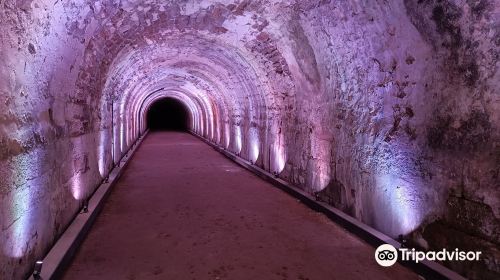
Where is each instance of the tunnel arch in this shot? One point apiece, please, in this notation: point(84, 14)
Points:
point(212, 83)
point(327, 95)
point(168, 114)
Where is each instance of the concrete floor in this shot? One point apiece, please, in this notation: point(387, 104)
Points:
point(184, 211)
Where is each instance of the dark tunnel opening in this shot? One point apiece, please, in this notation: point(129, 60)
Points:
point(168, 114)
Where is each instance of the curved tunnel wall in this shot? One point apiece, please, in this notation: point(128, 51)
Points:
point(389, 112)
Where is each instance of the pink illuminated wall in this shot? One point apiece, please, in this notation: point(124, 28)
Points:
point(388, 112)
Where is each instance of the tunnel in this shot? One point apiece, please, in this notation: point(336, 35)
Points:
point(167, 114)
point(232, 139)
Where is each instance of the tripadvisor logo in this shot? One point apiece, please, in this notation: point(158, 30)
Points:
point(387, 255)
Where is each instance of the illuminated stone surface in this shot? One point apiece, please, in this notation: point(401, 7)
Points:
point(390, 111)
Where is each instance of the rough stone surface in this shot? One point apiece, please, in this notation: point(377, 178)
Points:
point(390, 110)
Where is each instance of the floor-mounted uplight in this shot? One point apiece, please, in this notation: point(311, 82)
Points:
point(316, 196)
point(403, 241)
point(38, 269)
point(85, 208)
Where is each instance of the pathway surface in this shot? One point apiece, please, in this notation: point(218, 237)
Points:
point(183, 211)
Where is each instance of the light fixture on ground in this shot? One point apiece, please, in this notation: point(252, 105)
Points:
point(38, 269)
point(316, 196)
point(403, 241)
point(85, 208)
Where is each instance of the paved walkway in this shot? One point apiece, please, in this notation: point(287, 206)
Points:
point(183, 211)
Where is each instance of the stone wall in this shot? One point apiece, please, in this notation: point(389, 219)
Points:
point(388, 110)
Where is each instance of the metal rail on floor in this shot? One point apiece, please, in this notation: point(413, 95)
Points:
point(61, 254)
point(426, 269)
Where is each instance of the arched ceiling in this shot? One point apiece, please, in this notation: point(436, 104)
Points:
point(377, 102)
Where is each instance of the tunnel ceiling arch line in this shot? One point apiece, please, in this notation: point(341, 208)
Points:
point(142, 106)
point(141, 118)
point(201, 109)
point(138, 109)
point(204, 97)
point(251, 110)
point(128, 112)
point(187, 87)
point(219, 131)
point(250, 99)
point(242, 82)
point(255, 117)
point(234, 68)
point(195, 104)
point(201, 119)
point(191, 113)
point(354, 101)
point(210, 93)
point(192, 106)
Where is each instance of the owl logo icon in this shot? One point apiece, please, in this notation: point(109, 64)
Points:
point(386, 255)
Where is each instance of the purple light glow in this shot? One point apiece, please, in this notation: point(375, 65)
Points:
point(320, 151)
point(19, 205)
point(227, 134)
point(237, 139)
point(399, 210)
point(254, 144)
point(279, 155)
